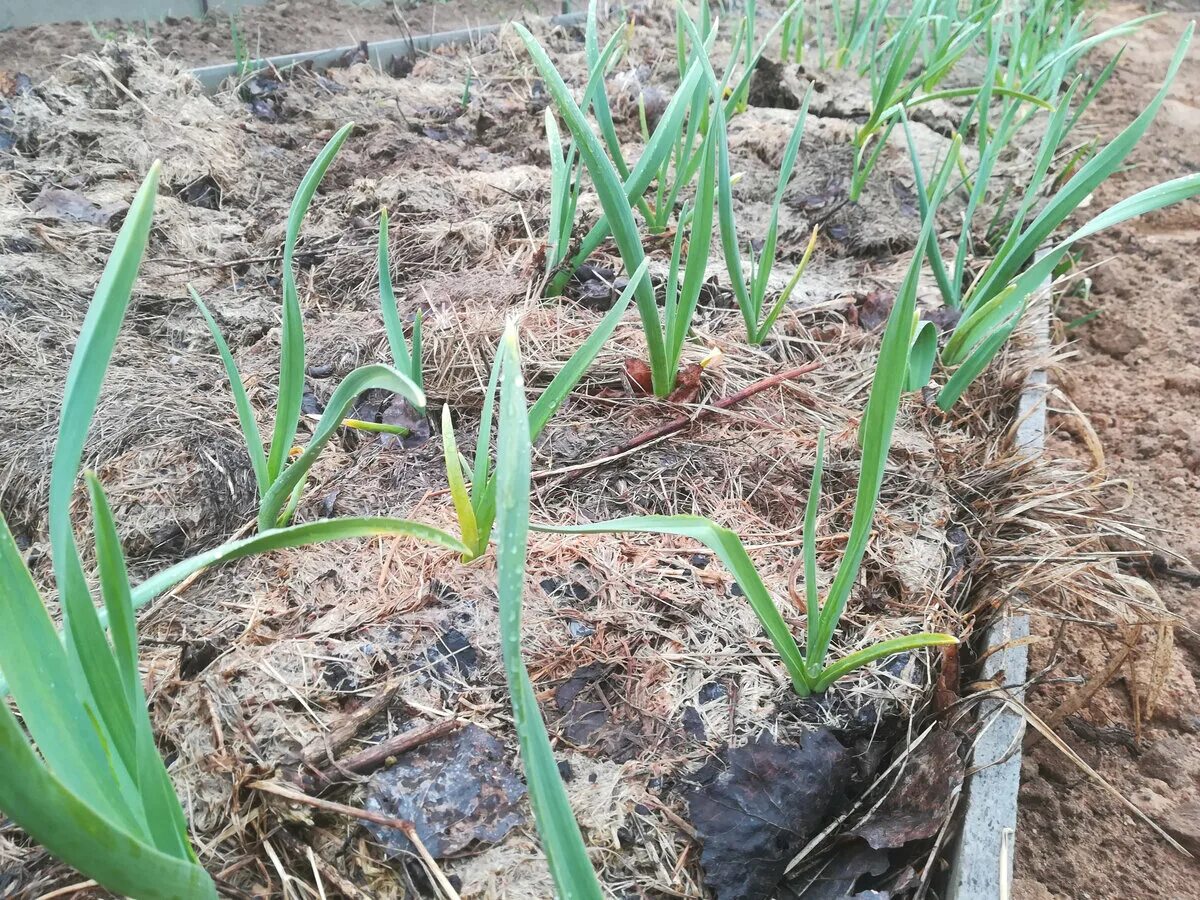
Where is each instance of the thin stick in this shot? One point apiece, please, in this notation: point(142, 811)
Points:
point(373, 757)
point(678, 424)
point(402, 825)
point(1080, 698)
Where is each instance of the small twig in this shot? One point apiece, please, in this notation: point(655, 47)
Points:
point(402, 825)
point(366, 762)
point(681, 422)
point(326, 746)
point(1080, 698)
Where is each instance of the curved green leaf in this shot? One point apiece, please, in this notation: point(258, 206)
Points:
point(361, 379)
point(291, 338)
point(561, 840)
point(245, 412)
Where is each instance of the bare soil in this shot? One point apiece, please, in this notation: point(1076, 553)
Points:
point(272, 29)
point(1135, 376)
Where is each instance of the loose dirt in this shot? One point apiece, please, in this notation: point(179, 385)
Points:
point(270, 30)
point(1136, 377)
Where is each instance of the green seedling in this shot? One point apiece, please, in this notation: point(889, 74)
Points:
point(91, 787)
point(807, 669)
point(562, 842)
point(993, 306)
point(406, 358)
point(473, 485)
point(279, 477)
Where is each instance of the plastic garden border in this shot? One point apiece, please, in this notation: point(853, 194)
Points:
point(378, 52)
point(982, 859)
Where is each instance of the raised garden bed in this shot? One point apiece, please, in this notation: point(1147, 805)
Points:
point(679, 738)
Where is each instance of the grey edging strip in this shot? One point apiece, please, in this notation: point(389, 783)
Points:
point(982, 863)
point(379, 53)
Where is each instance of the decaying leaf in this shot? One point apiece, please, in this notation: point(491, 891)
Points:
point(755, 806)
point(916, 808)
point(457, 791)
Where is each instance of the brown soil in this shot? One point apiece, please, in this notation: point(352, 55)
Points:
point(1136, 377)
point(273, 29)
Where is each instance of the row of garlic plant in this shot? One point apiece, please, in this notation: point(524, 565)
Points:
point(95, 781)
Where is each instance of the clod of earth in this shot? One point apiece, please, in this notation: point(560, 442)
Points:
point(72, 206)
point(754, 807)
point(457, 791)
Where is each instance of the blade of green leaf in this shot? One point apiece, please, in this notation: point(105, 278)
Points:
point(361, 379)
point(879, 420)
point(164, 817)
point(401, 358)
point(458, 487)
point(36, 665)
point(91, 660)
point(921, 356)
point(291, 339)
point(241, 401)
point(1075, 191)
point(561, 840)
point(613, 200)
point(53, 815)
point(812, 600)
point(882, 650)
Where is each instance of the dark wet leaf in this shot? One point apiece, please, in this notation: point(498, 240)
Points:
point(944, 317)
point(687, 384)
point(581, 719)
point(400, 412)
point(874, 308)
point(594, 286)
point(457, 791)
point(204, 192)
point(357, 54)
point(196, 656)
point(946, 691)
point(916, 808)
point(263, 109)
point(309, 404)
point(837, 878)
point(400, 66)
point(755, 806)
point(452, 657)
point(693, 724)
point(64, 205)
point(579, 630)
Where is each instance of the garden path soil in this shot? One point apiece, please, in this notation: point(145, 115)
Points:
point(1136, 377)
point(274, 29)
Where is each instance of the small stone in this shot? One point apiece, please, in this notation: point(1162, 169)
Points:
point(1153, 799)
point(1029, 889)
point(1168, 760)
point(1183, 824)
point(1115, 339)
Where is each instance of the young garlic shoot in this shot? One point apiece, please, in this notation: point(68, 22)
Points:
point(280, 473)
point(473, 484)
